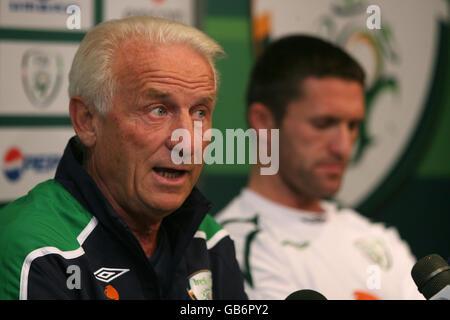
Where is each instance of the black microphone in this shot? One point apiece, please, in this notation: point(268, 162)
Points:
point(432, 277)
point(306, 294)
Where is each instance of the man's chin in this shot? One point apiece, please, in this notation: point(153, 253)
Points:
point(330, 191)
point(168, 203)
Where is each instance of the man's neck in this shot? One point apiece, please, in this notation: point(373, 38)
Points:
point(145, 230)
point(274, 189)
point(141, 225)
point(147, 238)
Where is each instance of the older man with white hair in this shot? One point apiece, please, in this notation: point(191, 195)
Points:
point(120, 220)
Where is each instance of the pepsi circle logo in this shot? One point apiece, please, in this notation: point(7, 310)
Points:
point(13, 164)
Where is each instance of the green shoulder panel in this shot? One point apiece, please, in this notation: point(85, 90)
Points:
point(210, 227)
point(211, 232)
point(48, 216)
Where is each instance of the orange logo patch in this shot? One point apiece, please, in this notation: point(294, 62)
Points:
point(361, 295)
point(111, 292)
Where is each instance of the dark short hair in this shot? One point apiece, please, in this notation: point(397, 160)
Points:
point(277, 74)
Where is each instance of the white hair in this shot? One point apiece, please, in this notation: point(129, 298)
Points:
point(91, 74)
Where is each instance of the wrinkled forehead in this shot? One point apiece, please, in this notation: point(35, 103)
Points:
point(134, 57)
point(175, 71)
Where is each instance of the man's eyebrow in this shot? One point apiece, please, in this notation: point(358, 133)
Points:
point(154, 93)
point(157, 94)
point(206, 100)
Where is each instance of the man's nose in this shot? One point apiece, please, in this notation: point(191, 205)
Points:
point(342, 142)
point(180, 128)
point(185, 135)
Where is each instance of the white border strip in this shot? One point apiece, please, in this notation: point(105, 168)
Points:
point(200, 234)
point(40, 252)
point(219, 235)
point(216, 238)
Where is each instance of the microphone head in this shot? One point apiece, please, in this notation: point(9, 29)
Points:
point(306, 294)
point(431, 274)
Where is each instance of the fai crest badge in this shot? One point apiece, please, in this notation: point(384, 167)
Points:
point(42, 74)
point(376, 251)
point(200, 285)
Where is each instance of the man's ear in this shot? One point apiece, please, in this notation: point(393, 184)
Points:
point(260, 117)
point(83, 121)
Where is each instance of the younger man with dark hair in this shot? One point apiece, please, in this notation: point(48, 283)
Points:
point(287, 237)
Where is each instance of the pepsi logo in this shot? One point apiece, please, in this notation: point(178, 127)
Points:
point(15, 163)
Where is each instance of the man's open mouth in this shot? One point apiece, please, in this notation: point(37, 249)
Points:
point(169, 173)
